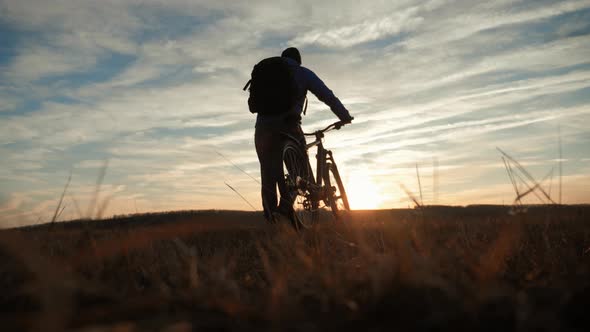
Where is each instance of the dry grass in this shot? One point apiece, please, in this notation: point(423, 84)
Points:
point(437, 269)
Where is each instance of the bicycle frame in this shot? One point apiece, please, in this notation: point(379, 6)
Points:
point(323, 157)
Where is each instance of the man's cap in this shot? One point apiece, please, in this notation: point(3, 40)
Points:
point(292, 53)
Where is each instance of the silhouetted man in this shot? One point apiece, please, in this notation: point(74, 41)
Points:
point(270, 125)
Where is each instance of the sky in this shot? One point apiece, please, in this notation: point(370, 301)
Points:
point(145, 98)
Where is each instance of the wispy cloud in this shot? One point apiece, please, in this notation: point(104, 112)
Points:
point(366, 31)
point(38, 62)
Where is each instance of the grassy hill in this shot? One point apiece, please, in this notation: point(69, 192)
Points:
point(437, 268)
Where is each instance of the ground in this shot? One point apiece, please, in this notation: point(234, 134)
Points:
point(435, 268)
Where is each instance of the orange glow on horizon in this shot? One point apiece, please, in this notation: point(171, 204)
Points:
point(363, 193)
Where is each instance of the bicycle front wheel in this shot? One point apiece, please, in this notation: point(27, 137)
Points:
point(336, 197)
point(299, 180)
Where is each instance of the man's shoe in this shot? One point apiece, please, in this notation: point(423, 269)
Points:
point(273, 218)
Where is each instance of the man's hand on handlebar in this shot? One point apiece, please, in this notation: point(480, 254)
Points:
point(339, 125)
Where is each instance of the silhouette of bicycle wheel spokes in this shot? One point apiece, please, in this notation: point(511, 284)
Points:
point(297, 175)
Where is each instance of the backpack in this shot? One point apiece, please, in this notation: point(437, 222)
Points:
point(273, 87)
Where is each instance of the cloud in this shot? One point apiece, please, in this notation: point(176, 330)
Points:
point(13, 203)
point(71, 15)
point(38, 62)
point(155, 87)
point(369, 30)
point(488, 16)
point(8, 103)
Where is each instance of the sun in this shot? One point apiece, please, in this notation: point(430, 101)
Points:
point(362, 192)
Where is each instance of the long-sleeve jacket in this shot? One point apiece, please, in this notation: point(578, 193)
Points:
point(306, 80)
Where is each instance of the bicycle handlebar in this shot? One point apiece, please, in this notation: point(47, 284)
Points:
point(336, 125)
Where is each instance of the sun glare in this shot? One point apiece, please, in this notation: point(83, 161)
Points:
point(362, 192)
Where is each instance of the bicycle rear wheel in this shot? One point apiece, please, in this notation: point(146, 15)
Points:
point(337, 199)
point(298, 177)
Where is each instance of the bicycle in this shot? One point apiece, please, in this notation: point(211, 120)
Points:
point(309, 191)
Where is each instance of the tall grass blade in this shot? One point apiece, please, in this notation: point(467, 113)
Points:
point(238, 167)
point(560, 163)
point(101, 175)
point(242, 197)
point(419, 184)
point(410, 195)
point(61, 199)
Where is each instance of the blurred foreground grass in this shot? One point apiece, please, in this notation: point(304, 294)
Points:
point(477, 268)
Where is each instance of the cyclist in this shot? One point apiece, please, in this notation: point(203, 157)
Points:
point(270, 138)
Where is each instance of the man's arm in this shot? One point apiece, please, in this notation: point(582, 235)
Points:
point(321, 91)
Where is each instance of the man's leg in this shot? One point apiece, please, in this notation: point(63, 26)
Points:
point(264, 149)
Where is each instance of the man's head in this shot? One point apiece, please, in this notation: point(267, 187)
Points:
point(292, 53)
